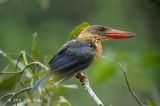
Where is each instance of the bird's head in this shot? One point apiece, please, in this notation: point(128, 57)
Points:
point(100, 33)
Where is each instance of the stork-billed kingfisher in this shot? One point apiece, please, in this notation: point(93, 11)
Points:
point(77, 54)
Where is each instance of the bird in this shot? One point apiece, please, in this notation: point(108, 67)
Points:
point(78, 54)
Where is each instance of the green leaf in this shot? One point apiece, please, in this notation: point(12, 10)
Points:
point(21, 66)
point(63, 88)
point(152, 59)
point(8, 82)
point(77, 29)
point(47, 58)
point(4, 54)
point(34, 47)
point(60, 101)
point(27, 80)
point(151, 103)
point(5, 69)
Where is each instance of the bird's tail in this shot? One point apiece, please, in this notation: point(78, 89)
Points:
point(40, 82)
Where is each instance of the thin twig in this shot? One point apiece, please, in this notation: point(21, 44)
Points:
point(21, 72)
point(126, 78)
point(10, 72)
point(17, 93)
point(5, 55)
point(130, 89)
point(11, 54)
point(29, 56)
point(4, 96)
point(90, 92)
point(24, 57)
point(19, 58)
point(33, 63)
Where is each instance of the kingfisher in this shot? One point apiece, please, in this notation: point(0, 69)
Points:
point(77, 54)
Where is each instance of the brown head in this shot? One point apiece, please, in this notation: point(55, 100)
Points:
point(100, 33)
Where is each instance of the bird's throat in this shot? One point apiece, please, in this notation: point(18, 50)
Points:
point(95, 39)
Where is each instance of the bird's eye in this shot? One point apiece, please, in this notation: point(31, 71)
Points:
point(102, 29)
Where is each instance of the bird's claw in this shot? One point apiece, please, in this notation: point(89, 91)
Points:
point(81, 76)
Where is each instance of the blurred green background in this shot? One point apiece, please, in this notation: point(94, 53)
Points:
point(53, 20)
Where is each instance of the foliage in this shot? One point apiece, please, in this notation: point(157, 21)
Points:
point(8, 82)
point(78, 29)
point(11, 80)
point(34, 47)
point(151, 103)
point(139, 55)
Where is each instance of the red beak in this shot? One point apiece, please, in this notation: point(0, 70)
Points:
point(117, 34)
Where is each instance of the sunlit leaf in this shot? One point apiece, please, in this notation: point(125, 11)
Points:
point(151, 103)
point(27, 80)
point(41, 73)
point(78, 29)
point(34, 47)
point(57, 89)
point(62, 88)
point(60, 101)
point(4, 54)
point(21, 66)
point(8, 82)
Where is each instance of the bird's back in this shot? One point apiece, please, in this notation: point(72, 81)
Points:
point(72, 57)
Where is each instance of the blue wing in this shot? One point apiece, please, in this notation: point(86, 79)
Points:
point(73, 57)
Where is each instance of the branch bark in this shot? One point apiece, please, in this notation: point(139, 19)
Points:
point(90, 92)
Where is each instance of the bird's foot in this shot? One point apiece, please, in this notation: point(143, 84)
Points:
point(81, 76)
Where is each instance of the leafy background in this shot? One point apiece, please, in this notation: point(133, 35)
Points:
point(53, 20)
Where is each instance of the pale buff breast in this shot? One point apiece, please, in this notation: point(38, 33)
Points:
point(97, 41)
point(99, 50)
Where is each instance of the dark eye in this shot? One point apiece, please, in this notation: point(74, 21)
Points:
point(102, 29)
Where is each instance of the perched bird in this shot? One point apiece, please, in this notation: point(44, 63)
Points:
point(77, 54)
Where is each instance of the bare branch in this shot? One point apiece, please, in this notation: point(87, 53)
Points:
point(85, 82)
point(33, 63)
point(90, 92)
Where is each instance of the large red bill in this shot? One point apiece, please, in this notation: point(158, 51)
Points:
point(117, 34)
